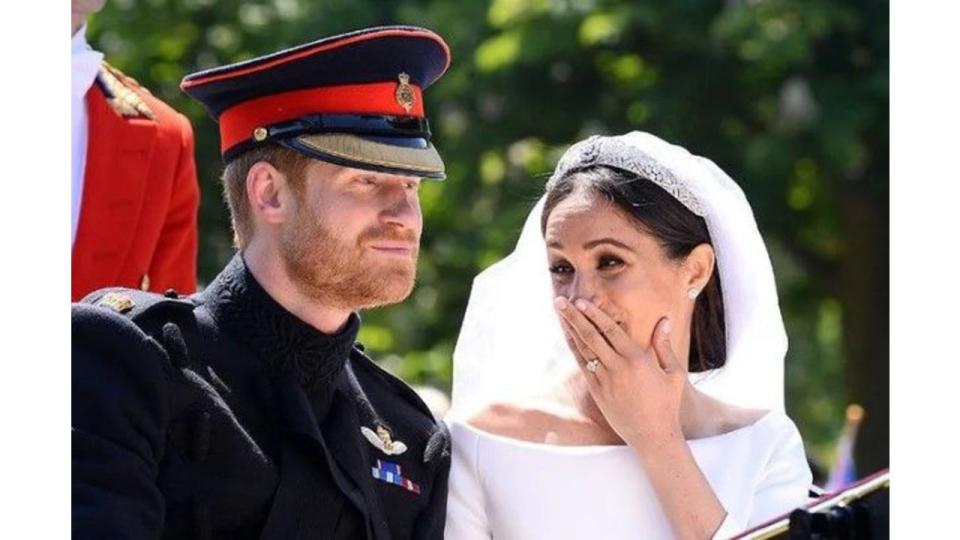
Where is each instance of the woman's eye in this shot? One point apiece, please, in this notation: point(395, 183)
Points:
point(560, 268)
point(607, 262)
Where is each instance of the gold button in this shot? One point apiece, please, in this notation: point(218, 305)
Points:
point(145, 283)
point(260, 134)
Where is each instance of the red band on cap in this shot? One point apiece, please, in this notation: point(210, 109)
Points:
point(238, 122)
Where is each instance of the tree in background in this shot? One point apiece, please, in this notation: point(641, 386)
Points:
point(790, 97)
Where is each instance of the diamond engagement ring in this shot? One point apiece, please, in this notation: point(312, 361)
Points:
point(592, 365)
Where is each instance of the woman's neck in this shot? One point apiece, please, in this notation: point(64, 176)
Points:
point(576, 392)
point(693, 407)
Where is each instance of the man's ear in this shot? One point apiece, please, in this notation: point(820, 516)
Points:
point(267, 193)
point(698, 266)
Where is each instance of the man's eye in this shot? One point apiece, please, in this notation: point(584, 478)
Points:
point(368, 180)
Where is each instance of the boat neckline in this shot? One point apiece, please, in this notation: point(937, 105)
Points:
point(599, 447)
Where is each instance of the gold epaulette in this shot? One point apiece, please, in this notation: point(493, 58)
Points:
point(123, 100)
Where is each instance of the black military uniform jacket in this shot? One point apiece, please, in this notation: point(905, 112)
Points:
point(225, 416)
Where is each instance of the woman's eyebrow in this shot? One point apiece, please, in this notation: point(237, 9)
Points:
point(594, 243)
point(555, 244)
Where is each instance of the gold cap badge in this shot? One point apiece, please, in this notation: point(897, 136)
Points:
point(405, 96)
point(260, 134)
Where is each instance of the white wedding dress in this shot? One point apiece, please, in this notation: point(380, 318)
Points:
point(508, 489)
point(515, 490)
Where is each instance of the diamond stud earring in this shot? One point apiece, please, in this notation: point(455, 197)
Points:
point(692, 293)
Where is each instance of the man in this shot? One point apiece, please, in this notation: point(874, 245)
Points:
point(135, 191)
point(246, 411)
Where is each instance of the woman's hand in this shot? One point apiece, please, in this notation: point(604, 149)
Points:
point(638, 391)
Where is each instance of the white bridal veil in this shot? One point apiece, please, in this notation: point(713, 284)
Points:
point(511, 344)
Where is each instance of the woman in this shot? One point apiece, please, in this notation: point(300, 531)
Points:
point(657, 271)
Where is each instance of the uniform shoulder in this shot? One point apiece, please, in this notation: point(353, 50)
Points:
point(117, 334)
point(116, 314)
point(130, 335)
point(124, 94)
point(134, 304)
point(122, 77)
point(131, 99)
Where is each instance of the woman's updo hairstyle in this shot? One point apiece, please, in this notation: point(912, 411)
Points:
point(678, 231)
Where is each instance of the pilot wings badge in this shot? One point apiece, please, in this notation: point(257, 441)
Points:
point(382, 440)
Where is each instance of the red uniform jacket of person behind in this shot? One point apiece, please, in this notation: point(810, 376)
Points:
point(138, 212)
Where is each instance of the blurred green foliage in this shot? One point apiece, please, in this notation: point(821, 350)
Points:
point(790, 97)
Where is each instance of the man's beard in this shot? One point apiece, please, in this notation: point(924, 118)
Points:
point(344, 274)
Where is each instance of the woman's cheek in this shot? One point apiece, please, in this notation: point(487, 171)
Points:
point(641, 331)
point(640, 312)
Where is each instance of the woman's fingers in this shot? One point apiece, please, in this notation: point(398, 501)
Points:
point(592, 366)
point(615, 336)
point(573, 341)
point(664, 349)
point(593, 343)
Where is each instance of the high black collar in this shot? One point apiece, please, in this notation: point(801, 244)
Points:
point(285, 343)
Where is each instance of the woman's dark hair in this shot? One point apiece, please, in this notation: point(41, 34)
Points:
point(677, 229)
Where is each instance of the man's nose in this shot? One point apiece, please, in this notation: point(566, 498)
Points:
point(402, 211)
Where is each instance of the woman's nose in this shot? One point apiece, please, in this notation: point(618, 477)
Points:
point(583, 287)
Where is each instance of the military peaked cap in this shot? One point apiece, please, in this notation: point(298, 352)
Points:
point(354, 99)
